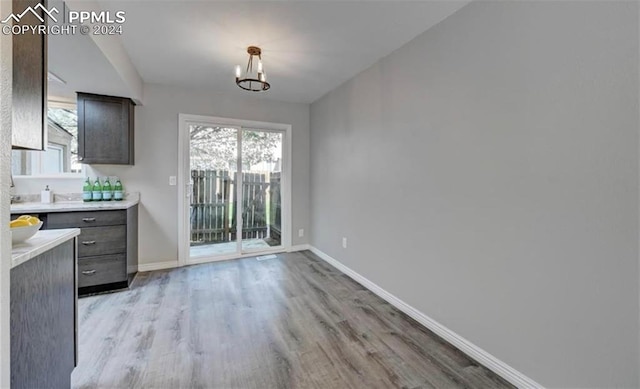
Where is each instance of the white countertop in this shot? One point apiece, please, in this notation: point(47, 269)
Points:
point(68, 206)
point(41, 242)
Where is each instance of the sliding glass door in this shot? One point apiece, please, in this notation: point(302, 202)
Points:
point(261, 186)
point(234, 190)
point(213, 167)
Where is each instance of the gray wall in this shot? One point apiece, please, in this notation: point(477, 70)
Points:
point(486, 173)
point(157, 158)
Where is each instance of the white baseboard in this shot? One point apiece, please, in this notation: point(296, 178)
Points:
point(489, 361)
point(172, 264)
point(157, 265)
point(300, 247)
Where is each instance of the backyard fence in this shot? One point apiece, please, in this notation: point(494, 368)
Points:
point(213, 212)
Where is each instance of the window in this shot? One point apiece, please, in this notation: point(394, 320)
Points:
point(61, 154)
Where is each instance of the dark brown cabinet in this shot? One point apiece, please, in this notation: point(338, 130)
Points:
point(29, 79)
point(107, 246)
point(105, 129)
point(44, 319)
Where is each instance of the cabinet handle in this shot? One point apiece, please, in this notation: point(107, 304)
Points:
point(89, 272)
point(89, 242)
point(88, 219)
point(80, 158)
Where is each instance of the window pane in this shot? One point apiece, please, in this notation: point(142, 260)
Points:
point(61, 155)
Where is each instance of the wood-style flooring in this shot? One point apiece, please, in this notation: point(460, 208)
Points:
point(290, 322)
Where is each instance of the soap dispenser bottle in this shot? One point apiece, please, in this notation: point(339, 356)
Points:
point(45, 195)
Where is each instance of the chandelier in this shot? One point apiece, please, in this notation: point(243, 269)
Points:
point(254, 81)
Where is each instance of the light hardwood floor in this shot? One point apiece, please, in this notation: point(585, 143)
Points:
point(290, 322)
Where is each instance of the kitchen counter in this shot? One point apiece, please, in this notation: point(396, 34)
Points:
point(131, 200)
point(40, 243)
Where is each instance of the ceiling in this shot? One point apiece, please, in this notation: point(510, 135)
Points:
point(82, 66)
point(309, 47)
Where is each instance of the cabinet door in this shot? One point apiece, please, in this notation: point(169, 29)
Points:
point(82, 219)
point(29, 81)
point(102, 270)
point(105, 129)
point(43, 319)
point(102, 241)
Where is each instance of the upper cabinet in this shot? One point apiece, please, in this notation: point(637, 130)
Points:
point(105, 129)
point(29, 80)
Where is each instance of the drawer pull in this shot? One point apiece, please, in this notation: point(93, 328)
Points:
point(89, 242)
point(88, 272)
point(88, 219)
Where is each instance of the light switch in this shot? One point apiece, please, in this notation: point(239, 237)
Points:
point(172, 180)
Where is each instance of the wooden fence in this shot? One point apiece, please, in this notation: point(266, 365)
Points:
point(213, 212)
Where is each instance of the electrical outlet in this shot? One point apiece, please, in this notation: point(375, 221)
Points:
point(344, 243)
point(172, 180)
point(301, 233)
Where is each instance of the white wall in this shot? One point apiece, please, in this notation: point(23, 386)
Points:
point(486, 173)
point(156, 158)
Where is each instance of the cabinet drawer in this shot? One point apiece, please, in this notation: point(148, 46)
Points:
point(86, 219)
point(102, 240)
point(101, 270)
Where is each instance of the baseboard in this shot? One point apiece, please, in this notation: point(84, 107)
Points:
point(172, 264)
point(157, 266)
point(300, 247)
point(489, 361)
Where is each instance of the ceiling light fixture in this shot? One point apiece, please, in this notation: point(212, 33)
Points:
point(252, 81)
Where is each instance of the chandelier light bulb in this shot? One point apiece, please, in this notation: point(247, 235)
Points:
point(238, 71)
point(260, 67)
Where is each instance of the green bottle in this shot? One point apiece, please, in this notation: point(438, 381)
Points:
point(96, 194)
point(106, 190)
point(118, 191)
point(86, 190)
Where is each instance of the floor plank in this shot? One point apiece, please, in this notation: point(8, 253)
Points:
point(289, 322)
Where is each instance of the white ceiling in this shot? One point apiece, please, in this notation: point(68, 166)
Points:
point(309, 47)
point(78, 61)
point(81, 65)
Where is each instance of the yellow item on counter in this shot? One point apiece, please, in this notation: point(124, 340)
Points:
point(19, 223)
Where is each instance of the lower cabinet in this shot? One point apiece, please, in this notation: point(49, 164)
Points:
point(107, 246)
point(43, 319)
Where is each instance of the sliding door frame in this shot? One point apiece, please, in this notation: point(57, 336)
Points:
point(184, 190)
